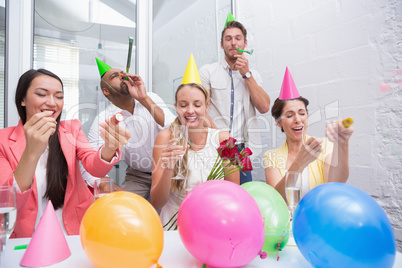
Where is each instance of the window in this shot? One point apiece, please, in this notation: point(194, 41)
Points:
point(61, 58)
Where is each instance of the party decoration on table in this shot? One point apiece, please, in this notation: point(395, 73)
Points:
point(288, 90)
point(117, 118)
point(229, 18)
point(250, 52)
point(339, 225)
point(347, 122)
point(275, 212)
point(221, 225)
point(102, 67)
point(48, 244)
point(229, 160)
point(122, 229)
point(191, 74)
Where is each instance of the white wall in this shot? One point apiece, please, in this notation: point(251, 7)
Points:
point(345, 57)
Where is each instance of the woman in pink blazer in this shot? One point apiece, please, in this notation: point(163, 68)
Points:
point(42, 147)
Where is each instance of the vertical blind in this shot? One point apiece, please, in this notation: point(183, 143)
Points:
point(62, 58)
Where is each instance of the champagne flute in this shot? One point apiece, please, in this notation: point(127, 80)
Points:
point(8, 217)
point(293, 186)
point(180, 132)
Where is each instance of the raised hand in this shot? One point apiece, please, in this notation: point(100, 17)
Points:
point(337, 133)
point(38, 130)
point(241, 64)
point(310, 151)
point(114, 136)
point(135, 86)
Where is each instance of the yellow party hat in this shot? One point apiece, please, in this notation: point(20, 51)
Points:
point(191, 74)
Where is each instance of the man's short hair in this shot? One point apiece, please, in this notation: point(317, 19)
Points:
point(234, 24)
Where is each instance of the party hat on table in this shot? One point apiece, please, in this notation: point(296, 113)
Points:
point(103, 67)
point(191, 74)
point(48, 244)
point(289, 90)
point(229, 18)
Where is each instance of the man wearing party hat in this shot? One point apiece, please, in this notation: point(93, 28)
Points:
point(317, 160)
point(145, 114)
point(236, 92)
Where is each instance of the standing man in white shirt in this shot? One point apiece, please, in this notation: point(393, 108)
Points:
point(236, 92)
point(145, 114)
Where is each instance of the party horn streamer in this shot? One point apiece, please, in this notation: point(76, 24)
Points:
point(130, 51)
point(347, 122)
point(247, 51)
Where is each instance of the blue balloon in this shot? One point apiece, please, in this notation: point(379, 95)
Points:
point(339, 225)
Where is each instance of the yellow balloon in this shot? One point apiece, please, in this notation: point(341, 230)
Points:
point(122, 229)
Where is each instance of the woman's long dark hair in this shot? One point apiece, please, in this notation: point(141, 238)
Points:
point(56, 168)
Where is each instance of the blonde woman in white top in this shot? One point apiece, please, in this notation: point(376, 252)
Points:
point(191, 103)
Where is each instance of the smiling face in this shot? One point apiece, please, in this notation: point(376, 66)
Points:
point(232, 40)
point(294, 119)
point(44, 94)
point(191, 106)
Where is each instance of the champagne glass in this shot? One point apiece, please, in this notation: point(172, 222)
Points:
point(180, 132)
point(102, 187)
point(293, 186)
point(8, 217)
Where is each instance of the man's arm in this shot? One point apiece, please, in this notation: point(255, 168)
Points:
point(259, 97)
point(137, 90)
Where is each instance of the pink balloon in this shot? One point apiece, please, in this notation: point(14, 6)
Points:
point(221, 225)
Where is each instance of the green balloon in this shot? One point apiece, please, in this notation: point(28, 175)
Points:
point(275, 212)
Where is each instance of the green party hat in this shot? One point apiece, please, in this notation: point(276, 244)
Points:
point(229, 18)
point(103, 67)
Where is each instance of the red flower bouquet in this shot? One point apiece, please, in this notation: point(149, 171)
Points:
point(230, 160)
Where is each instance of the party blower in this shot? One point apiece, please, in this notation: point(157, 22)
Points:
point(247, 51)
point(347, 122)
point(130, 51)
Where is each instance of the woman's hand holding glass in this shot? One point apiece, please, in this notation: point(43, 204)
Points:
point(171, 154)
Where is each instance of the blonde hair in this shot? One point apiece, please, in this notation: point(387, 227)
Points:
point(178, 184)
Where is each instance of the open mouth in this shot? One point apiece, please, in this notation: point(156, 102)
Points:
point(191, 118)
point(298, 129)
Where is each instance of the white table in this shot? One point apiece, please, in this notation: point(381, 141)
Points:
point(174, 255)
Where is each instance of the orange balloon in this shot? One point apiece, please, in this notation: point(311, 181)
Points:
point(122, 229)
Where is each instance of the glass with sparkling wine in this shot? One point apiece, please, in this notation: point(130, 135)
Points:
point(8, 217)
point(180, 132)
point(293, 186)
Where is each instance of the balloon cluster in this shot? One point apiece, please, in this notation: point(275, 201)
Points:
point(122, 229)
point(339, 225)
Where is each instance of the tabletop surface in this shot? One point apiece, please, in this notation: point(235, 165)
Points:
point(174, 255)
